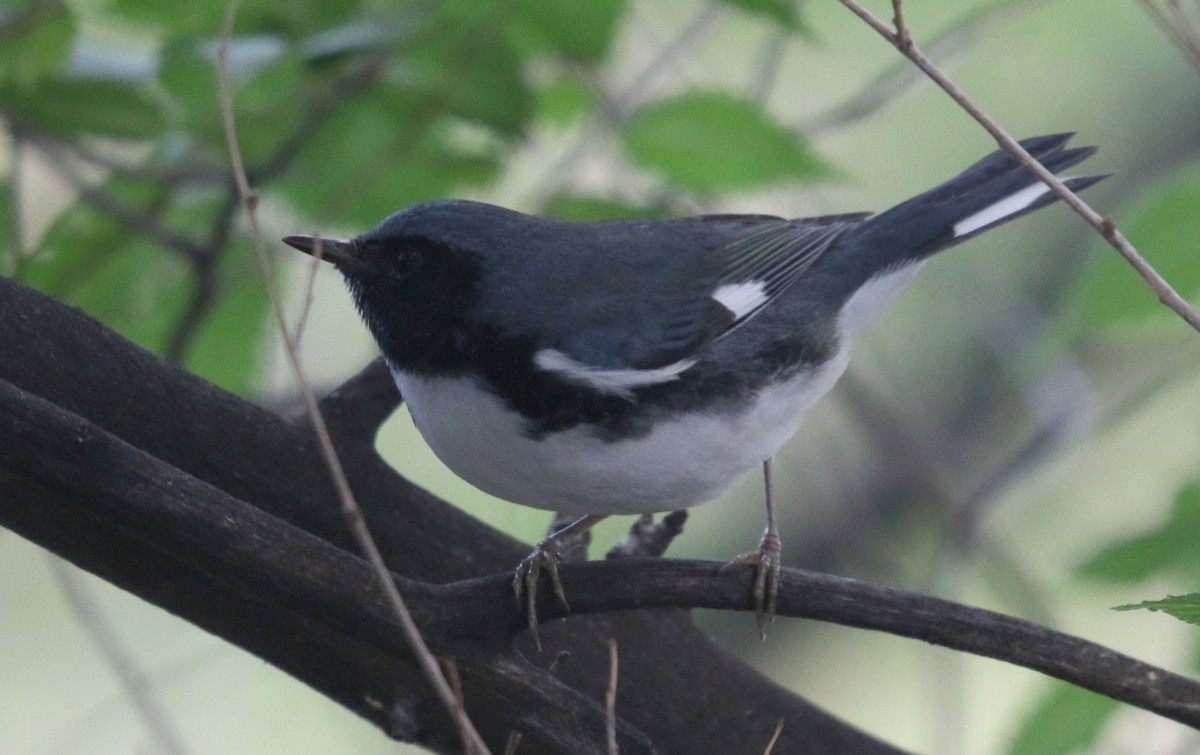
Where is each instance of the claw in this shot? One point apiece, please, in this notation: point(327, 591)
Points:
point(545, 557)
point(767, 561)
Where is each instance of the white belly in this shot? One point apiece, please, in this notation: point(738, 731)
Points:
point(680, 463)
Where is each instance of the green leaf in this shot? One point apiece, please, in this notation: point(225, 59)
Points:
point(595, 208)
point(228, 347)
point(784, 12)
point(563, 101)
point(9, 264)
point(73, 106)
point(269, 99)
point(1068, 719)
point(34, 41)
point(578, 30)
point(1165, 228)
point(1172, 547)
point(710, 142)
point(485, 83)
point(173, 18)
point(81, 240)
point(1183, 607)
point(372, 158)
point(205, 19)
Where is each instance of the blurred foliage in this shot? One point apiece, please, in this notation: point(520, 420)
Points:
point(348, 111)
point(1166, 227)
point(1067, 719)
point(1169, 549)
point(711, 142)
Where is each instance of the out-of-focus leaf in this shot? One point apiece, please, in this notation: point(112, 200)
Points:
point(269, 99)
point(205, 19)
point(1166, 230)
point(579, 30)
point(268, 105)
point(1183, 607)
point(9, 264)
point(710, 142)
point(1171, 547)
point(80, 241)
point(784, 12)
point(594, 208)
point(356, 37)
point(371, 158)
point(34, 42)
point(171, 18)
point(191, 81)
point(118, 275)
point(563, 100)
point(228, 347)
point(472, 75)
point(69, 107)
point(1067, 720)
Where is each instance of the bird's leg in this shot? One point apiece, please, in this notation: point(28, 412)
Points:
point(766, 561)
point(546, 556)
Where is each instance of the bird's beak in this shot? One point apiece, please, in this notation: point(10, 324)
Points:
point(337, 251)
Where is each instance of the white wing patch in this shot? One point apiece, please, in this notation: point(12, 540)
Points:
point(741, 298)
point(617, 382)
point(1010, 205)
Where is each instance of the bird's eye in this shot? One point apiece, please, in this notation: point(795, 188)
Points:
point(406, 262)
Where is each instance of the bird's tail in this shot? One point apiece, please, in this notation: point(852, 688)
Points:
point(874, 260)
point(993, 191)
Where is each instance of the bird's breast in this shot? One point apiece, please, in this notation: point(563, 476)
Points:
point(685, 459)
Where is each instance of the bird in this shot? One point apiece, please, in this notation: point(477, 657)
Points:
point(633, 366)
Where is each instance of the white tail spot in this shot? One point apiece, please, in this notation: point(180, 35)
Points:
point(993, 213)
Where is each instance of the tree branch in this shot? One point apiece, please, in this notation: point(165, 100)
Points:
point(1105, 226)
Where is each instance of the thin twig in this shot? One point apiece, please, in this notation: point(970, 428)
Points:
point(1179, 29)
point(886, 86)
point(138, 689)
point(472, 742)
point(902, 35)
point(1104, 225)
point(610, 699)
point(774, 738)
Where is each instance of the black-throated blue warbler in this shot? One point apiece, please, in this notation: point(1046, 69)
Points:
point(635, 366)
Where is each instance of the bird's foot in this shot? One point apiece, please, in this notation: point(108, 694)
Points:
point(766, 561)
point(545, 557)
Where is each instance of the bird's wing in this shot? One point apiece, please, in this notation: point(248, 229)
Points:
point(765, 262)
point(653, 339)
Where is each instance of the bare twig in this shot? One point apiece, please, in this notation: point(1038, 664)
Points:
point(610, 699)
point(892, 81)
point(900, 39)
point(1178, 27)
point(472, 742)
point(137, 688)
point(774, 738)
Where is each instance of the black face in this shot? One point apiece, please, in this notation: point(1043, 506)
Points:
point(416, 295)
